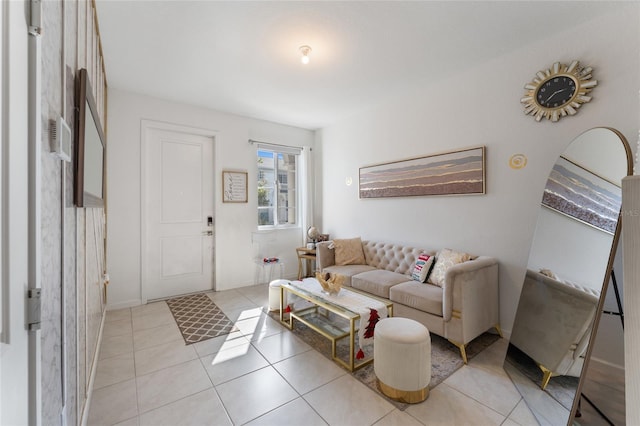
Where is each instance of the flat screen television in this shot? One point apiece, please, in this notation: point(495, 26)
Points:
point(90, 147)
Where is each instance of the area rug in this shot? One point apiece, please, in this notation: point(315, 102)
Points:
point(445, 357)
point(198, 318)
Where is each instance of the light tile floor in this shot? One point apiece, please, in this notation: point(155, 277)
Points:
point(263, 375)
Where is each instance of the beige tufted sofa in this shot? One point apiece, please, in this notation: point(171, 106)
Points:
point(466, 306)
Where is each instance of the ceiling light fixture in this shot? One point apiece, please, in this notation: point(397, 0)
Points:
point(305, 50)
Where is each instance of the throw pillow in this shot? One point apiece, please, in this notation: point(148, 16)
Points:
point(349, 252)
point(444, 260)
point(423, 266)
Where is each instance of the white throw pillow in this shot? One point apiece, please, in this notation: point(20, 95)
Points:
point(444, 260)
point(423, 266)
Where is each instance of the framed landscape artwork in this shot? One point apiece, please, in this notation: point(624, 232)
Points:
point(452, 173)
point(582, 195)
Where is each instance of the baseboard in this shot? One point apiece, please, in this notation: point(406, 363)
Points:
point(506, 334)
point(92, 376)
point(242, 284)
point(126, 304)
point(608, 364)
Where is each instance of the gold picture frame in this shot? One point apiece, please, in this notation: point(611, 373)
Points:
point(460, 172)
point(234, 186)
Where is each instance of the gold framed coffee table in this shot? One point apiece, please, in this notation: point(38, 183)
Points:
point(318, 319)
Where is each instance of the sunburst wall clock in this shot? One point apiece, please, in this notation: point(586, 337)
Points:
point(559, 91)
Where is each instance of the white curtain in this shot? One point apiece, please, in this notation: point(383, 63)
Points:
point(307, 193)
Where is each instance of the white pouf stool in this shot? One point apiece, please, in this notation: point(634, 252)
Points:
point(274, 295)
point(402, 359)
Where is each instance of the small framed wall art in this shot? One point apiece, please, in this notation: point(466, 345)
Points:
point(234, 187)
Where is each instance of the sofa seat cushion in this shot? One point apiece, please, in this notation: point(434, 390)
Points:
point(424, 297)
point(378, 281)
point(348, 271)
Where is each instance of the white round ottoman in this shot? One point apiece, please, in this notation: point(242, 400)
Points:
point(402, 359)
point(274, 295)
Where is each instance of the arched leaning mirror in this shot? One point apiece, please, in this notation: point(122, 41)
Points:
point(568, 270)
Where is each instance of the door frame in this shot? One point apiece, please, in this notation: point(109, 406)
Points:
point(146, 126)
point(20, 387)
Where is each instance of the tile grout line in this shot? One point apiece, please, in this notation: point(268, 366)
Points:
point(253, 344)
point(474, 399)
point(135, 371)
point(511, 412)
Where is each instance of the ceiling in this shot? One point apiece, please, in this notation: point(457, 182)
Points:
point(243, 57)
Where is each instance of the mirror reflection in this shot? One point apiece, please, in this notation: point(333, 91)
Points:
point(570, 259)
point(602, 394)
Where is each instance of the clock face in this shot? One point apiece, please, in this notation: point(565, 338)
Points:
point(556, 92)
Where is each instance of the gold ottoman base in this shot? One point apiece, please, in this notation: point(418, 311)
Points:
point(409, 397)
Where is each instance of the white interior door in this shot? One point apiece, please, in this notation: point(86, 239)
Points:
point(178, 221)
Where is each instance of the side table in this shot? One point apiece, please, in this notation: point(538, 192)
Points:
point(309, 255)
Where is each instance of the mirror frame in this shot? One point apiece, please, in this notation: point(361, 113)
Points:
point(86, 115)
point(607, 277)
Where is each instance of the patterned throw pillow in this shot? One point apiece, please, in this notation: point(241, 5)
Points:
point(423, 266)
point(349, 252)
point(444, 260)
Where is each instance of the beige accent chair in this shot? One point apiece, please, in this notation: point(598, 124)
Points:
point(462, 309)
point(553, 324)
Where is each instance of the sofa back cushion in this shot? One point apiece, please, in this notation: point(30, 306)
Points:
point(392, 257)
point(349, 252)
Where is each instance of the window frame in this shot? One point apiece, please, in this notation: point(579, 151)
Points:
point(283, 151)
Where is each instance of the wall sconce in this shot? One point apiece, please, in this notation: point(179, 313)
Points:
point(305, 50)
point(518, 161)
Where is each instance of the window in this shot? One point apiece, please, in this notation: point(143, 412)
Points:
point(277, 192)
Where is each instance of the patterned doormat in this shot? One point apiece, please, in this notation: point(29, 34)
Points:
point(198, 318)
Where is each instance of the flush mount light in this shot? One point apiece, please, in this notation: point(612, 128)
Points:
point(305, 50)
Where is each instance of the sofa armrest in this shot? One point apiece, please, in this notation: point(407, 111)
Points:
point(554, 321)
point(324, 255)
point(471, 292)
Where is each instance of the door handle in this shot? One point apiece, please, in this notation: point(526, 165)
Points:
point(208, 233)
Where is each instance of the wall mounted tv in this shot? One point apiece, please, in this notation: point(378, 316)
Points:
point(90, 147)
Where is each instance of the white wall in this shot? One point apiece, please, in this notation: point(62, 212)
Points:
point(480, 106)
point(14, 232)
point(563, 245)
point(234, 222)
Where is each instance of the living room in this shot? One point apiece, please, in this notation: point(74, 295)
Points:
point(467, 99)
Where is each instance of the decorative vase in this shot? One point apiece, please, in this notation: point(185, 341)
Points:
point(331, 284)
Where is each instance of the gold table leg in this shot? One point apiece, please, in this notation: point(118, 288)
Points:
point(299, 267)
